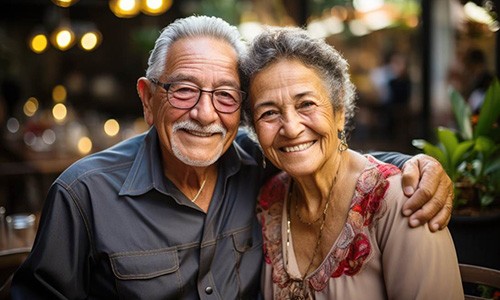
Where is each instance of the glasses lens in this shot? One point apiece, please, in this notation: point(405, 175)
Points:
point(182, 95)
point(227, 101)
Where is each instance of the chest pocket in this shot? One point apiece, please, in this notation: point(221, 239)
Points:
point(248, 257)
point(142, 274)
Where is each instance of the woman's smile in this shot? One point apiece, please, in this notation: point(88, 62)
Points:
point(296, 148)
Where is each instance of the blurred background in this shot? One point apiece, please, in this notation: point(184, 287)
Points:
point(68, 71)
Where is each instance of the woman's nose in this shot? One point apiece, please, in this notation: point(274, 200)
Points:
point(291, 125)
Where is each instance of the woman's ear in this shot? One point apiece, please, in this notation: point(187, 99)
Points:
point(340, 119)
point(144, 91)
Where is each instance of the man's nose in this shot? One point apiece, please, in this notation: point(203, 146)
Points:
point(204, 111)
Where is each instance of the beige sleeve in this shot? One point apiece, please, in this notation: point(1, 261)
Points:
point(417, 264)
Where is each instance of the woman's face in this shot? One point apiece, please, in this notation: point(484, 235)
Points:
point(294, 118)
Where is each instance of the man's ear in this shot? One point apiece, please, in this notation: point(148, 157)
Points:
point(144, 91)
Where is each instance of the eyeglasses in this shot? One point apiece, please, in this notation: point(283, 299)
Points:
point(186, 96)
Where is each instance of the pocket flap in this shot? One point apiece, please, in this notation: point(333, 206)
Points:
point(243, 239)
point(144, 264)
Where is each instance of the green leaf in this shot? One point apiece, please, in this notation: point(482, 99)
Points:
point(462, 114)
point(490, 110)
point(484, 145)
point(449, 140)
point(493, 166)
point(459, 153)
point(487, 200)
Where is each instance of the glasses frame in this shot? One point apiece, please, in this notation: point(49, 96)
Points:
point(166, 86)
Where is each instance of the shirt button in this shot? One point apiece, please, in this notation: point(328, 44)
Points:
point(209, 290)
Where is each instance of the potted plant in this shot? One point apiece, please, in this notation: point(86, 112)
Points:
point(470, 154)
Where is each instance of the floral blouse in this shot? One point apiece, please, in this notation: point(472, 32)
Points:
point(370, 241)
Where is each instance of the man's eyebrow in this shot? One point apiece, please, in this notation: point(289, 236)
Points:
point(230, 83)
point(181, 77)
point(185, 77)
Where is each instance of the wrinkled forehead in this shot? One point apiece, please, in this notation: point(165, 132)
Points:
point(203, 57)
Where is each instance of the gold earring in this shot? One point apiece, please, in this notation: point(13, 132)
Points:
point(343, 141)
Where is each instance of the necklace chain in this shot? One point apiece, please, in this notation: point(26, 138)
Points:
point(322, 225)
point(297, 210)
point(199, 191)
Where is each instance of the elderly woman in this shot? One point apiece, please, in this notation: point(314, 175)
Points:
point(331, 221)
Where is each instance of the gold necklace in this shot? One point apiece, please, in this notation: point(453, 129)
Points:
point(297, 205)
point(199, 191)
point(322, 225)
point(297, 210)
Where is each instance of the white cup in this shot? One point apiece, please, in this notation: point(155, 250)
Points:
point(21, 229)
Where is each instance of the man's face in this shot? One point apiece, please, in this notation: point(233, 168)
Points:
point(200, 135)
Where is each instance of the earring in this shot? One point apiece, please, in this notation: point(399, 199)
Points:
point(343, 141)
point(263, 157)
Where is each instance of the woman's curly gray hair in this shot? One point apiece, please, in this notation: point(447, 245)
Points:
point(277, 43)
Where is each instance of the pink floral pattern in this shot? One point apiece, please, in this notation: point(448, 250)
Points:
point(352, 249)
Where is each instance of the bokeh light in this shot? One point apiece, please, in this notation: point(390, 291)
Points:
point(155, 7)
point(84, 145)
point(59, 111)
point(59, 94)
point(111, 127)
point(124, 8)
point(30, 107)
point(38, 43)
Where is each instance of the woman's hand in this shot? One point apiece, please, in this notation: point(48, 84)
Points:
point(430, 191)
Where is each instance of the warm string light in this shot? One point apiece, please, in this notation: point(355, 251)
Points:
point(64, 3)
point(39, 43)
point(131, 8)
point(64, 37)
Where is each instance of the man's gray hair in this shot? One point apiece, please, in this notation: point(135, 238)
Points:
point(194, 26)
point(277, 43)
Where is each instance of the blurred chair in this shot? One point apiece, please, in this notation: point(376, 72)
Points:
point(478, 275)
point(9, 262)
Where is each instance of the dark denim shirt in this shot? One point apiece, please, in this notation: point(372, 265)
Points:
point(113, 226)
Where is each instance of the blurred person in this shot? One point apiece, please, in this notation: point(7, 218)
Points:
point(170, 214)
point(393, 85)
point(477, 78)
point(332, 227)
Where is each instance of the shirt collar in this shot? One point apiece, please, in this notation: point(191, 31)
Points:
point(146, 172)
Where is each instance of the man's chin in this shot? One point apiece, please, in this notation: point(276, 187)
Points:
point(197, 160)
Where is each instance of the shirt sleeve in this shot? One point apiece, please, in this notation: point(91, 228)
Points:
point(417, 264)
point(395, 158)
point(57, 265)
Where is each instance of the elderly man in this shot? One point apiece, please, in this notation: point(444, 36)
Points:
point(170, 214)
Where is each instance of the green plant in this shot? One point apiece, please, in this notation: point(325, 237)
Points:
point(470, 154)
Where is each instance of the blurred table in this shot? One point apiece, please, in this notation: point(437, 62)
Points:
point(19, 160)
point(26, 175)
point(17, 234)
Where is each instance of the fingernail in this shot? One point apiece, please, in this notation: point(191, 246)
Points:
point(414, 222)
point(435, 226)
point(407, 212)
point(408, 190)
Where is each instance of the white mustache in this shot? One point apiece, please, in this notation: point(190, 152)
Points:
point(192, 126)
